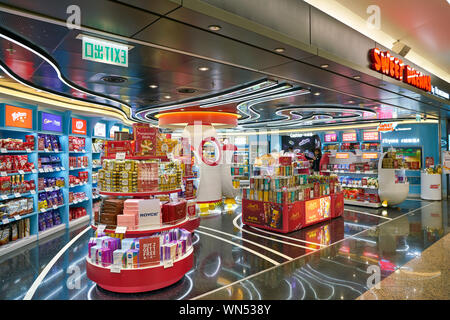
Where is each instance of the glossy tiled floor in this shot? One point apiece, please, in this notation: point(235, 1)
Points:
point(326, 261)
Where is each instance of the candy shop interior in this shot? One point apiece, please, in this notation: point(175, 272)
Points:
point(206, 164)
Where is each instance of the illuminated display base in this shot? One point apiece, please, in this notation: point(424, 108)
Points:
point(289, 217)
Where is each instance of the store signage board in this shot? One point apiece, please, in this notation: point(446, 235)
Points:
point(104, 51)
point(446, 162)
point(342, 155)
point(384, 63)
point(331, 137)
point(387, 126)
point(349, 137)
point(371, 136)
point(78, 126)
point(100, 129)
point(370, 155)
point(51, 122)
point(18, 117)
point(113, 129)
point(438, 92)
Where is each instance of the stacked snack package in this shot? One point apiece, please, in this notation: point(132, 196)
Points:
point(48, 142)
point(21, 206)
point(77, 212)
point(47, 200)
point(12, 164)
point(17, 144)
point(130, 253)
point(77, 196)
point(14, 231)
point(77, 144)
point(51, 182)
point(49, 162)
point(16, 184)
point(49, 219)
point(82, 177)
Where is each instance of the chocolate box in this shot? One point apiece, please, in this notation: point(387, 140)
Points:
point(145, 138)
point(173, 212)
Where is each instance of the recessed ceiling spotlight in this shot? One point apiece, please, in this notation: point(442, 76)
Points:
point(350, 101)
point(279, 49)
point(153, 86)
point(182, 109)
point(317, 93)
point(203, 68)
point(167, 97)
point(324, 65)
point(220, 110)
point(214, 27)
point(356, 77)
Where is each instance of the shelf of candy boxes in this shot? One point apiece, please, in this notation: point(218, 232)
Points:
point(15, 186)
point(78, 180)
point(48, 143)
point(77, 212)
point(147, 141)
point(363, 167)
point(50, 184)
point(15, 164)
point(139, 176)
point(81, 162)
point(373, 146)
point(144, 214)
point(15, 209)
point(331, 147)
point(49, 164)
point(49, 200)
point(349, 146)
point(359, 182)
point(392, 161)
point(98, 145)
point(77, 197)
point(10, 144)
point(49, 219)
point(165, 246)
point(14, 231)
point(282, 189)
point(362, 195)
point(77, 144)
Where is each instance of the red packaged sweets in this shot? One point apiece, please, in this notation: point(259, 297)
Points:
point(173, 212)
point(285, 161)
point(113, 147)
point(145, 139)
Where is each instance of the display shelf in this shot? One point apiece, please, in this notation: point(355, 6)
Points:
point(52, 208)
point(80, 152)
point(78, 185)
point(50, 151)
point(48, 170)
point(96, 167)
point(362, 203)
point(2, 151)
point(184, 224)
point(5, 174)
point(78, 221)
point(140, 279)
point(96, 197)
point(77, 168)
point(350, 172)
point(50, 189)
point(389, 191)
point(162, 158)
point(12, 219)
point(12, 246)
point(138, 194)
point(358, 187)
point(15, 195)
point(79, 201)
point(52, 230)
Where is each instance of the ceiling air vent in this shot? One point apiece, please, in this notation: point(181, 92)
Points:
point(114, 79)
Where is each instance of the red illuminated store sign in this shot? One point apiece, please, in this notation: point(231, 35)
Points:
point(78, 126)
point(394, 67)
point(349, 137)
point(370, 135)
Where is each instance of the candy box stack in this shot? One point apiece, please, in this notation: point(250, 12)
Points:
point(17, 144)
point(114, 147)
point(48, 142)
point(145, 138)
point(148, 176)
point(173, 212)
point(109, 211)
point(76, 144)
point(13, 164)
point(77, 212)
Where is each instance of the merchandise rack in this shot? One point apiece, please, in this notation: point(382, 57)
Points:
point(147, 278)
point(61, 171)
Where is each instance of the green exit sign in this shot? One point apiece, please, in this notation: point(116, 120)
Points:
point(104, 51)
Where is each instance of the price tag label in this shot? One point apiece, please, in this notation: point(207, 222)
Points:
point(17, 217)
point(33, 191)
point(17, 194)
point(84, 151)
point(71, 185)
point(70, 168)
point(4, 197)
point(358, 171)
point(75, 201)
point(57, 169)
point(101, 228)
point(63, 169)
point(43, 210)
point(46, 170)
point(5, 220)
point(121, 230)
point(3, 150)
point(34, 170)
point(115, 269)
point(46, 150)
point(168, 264)
point(120, 156)
point(28, 150)
point(47, 189)
point(21, 172)
point(3, 174)
point(56, 150)
point(55, 207)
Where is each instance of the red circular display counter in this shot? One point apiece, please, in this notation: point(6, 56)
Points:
point(140, 279)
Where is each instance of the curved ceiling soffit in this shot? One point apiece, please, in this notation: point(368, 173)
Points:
point(30, 47)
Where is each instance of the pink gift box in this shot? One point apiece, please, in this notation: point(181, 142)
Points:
point(126, 220)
